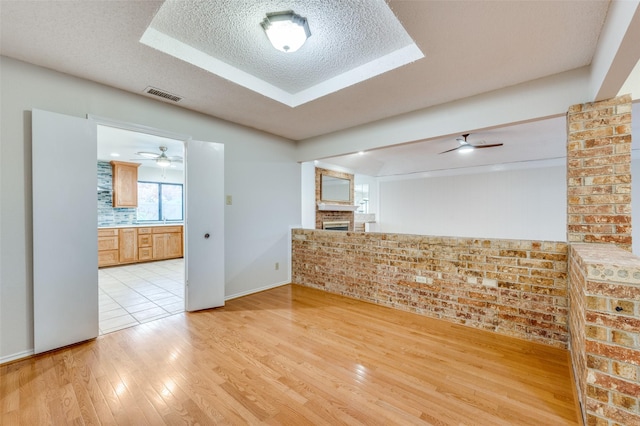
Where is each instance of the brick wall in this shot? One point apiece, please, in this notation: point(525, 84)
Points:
point(605, 337)
point(599, 172)
point(332, 216)
point(516, 288)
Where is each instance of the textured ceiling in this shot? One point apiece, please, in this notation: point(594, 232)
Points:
point(470, 47)
point(225, 37)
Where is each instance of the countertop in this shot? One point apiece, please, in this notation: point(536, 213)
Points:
point(142, 225)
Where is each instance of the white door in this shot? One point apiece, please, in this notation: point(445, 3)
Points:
point(204, 254)
point(65, 239)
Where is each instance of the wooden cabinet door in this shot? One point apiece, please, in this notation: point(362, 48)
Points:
point(159, 246)
point(174, 245)
point(128, 245)
point(125, 184)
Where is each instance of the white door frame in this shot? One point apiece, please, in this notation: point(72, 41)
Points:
point(207, 286)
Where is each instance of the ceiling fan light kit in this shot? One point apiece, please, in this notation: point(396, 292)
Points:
point(162, 160)
point(286, 30)
point(465, 147)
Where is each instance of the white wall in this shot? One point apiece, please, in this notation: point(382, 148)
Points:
point(308, 197)
point(374, 204)
point(155, 174)
point(515, 204)
point(260, 173)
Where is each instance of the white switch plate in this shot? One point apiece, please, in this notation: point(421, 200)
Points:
point(420, 279)
point(277, 266)
point(228, 200)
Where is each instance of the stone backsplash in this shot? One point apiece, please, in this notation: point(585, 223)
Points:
point(107, 214)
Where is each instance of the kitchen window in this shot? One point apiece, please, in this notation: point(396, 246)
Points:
point(159, 201)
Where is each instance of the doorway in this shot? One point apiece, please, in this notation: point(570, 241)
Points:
point(142, 286)
point(65, 249)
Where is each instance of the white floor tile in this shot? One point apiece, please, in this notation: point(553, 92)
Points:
point(134, 294)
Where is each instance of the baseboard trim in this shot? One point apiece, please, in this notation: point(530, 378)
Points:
point(256, 290)
point(16, 357)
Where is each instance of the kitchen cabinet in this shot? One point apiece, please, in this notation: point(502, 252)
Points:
point(128, 245)
point(145, 246)
point(167, 242)
point(119, 246)
point(108, 243)
point(125, 184)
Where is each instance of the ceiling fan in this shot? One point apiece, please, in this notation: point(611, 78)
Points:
point(465, 146)
point(162, 159)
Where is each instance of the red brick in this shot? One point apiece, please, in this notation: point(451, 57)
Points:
point(614, 352)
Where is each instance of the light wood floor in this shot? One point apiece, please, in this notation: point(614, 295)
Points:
point(293, 356)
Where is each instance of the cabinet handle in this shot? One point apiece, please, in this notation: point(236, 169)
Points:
point(206, 235)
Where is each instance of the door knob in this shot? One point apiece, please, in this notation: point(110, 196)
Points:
point(206, 235)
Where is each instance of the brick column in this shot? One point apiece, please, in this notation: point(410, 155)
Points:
point(599, 172)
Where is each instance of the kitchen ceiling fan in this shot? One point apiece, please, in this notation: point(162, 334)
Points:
point(162, 159)
point(464, 146)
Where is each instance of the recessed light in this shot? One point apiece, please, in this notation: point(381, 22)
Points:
point(360, 152)
point(114, 154)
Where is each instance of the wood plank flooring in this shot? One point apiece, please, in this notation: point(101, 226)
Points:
point(293, 355)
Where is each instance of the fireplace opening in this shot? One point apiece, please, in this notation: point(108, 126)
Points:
point(341, 225)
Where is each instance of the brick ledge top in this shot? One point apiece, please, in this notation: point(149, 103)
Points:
point(609, 262)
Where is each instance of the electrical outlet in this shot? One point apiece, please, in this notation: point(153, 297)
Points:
point(277, 266)
point(229, 200)
point(422, 280)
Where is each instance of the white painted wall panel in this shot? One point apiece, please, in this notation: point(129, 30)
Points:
point(515, 204)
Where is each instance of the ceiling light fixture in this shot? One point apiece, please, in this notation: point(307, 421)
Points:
point(286, 30)
point(163, 161)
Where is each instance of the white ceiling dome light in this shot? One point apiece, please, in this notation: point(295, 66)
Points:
point(286, 30)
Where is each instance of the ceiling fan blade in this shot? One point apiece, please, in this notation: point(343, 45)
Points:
point(148, 154)
point(142, 159)
point(488, 146)
point(453, 149)
point(175, 158)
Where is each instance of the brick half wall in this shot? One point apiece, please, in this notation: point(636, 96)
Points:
point(605, 332)
point(512, 287)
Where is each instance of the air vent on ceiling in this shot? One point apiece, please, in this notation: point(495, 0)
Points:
point(162, 94)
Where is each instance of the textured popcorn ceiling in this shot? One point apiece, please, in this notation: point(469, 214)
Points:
point(470, 47)
point(350, 42)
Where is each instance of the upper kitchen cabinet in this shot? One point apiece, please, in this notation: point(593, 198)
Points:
point(125, 184)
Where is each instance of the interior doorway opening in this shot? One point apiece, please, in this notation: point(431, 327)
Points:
point(141, 274)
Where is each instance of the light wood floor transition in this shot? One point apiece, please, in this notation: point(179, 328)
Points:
point(293, 355)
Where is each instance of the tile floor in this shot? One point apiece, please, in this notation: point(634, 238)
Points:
point(134, 294)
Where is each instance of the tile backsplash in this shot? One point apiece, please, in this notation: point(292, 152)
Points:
point(107, 214)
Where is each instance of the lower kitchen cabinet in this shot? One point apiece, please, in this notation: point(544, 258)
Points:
point(128, 243)
point(145, 247)
point(119, 246)
point(167, 242)
point(108, 252)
